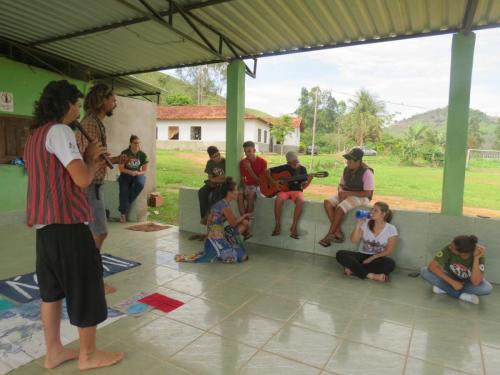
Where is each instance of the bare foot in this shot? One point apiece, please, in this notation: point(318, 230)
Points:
point(347, 271)
point(52, 360)
point(380, 277)
point(108, 289)
point(97, 359)
point(123, 219)
point(276, 231)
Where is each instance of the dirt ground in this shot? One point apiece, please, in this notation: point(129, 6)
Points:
point(393, 201)
point(399, 202)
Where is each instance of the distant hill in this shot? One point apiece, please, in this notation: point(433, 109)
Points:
point(436, 119)
point(174, 86)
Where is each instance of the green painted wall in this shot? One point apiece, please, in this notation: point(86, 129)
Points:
point(12, 188)
point(26, 83)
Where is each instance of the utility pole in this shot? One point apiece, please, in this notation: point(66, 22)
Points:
point(314, 128)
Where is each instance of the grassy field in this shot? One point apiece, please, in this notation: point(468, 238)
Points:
point(416, 183)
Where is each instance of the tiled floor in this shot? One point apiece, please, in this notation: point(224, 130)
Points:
point(282, 312)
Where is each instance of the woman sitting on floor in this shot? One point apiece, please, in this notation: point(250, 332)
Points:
point(223, 243)
point(458, 270)
point(378, 241)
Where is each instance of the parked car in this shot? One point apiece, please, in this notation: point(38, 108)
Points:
point(368, 151)
point(310, 150)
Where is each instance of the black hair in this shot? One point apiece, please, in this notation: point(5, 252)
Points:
point(212, 150)
point(227, 186)
point(54, 102)
point(465, 244)
point(384, 207)
point(248, 144)
point(133, 137)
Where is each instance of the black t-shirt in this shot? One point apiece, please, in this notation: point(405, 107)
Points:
point(292, 185)
point(213, 169)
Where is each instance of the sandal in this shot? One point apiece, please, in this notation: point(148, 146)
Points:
point(334, 238)
point(294, 235)
point(325, 243)
point(247, 236)
point(276, 232)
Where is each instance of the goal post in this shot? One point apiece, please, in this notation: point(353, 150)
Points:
point(482, 154)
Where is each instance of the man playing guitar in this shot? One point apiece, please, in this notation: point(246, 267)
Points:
point(294, 192)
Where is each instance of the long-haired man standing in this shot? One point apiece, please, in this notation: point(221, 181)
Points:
point(68, 265)
point(99, 103)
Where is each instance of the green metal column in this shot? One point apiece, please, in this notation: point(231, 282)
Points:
point(462, 55)
point(235, 118)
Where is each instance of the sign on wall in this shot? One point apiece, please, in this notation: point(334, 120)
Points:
point(6, 102)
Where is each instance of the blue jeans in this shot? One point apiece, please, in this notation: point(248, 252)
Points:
point(479, 290)
point(130, 188)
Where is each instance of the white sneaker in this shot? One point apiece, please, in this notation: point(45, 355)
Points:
point(438, 290)
point(471, 298)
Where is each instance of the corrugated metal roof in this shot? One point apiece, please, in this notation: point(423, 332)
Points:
point(123, 36)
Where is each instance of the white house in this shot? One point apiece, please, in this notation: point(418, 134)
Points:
point(197, 127)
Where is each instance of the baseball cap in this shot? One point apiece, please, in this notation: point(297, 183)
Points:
point(355, 154)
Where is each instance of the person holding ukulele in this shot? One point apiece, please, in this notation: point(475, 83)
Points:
point(294, 192)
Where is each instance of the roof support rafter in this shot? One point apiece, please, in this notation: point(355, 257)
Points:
point(116, 25)
point(470, 11)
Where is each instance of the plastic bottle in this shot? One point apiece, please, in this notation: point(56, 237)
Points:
point(363, 214)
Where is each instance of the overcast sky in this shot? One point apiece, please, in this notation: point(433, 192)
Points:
point(412, 72)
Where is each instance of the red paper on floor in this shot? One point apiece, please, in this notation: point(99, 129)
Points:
point(161, 302)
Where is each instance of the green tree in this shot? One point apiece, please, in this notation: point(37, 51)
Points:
point(475, 136)
point(364, 122)
point(327, 117)
point(208, 79)
point(496, 145)
point(281, 129)
point(177, 99)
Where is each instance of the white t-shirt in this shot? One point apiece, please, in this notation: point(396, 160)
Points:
point(61, 142)
point(371, 244)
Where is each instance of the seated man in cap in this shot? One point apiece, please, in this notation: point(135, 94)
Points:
point(294, 192)
point(355, 189)
point(210, 192)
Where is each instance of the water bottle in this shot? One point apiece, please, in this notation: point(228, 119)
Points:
point(362, 214)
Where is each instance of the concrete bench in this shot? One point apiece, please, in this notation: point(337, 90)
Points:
point(421, 234)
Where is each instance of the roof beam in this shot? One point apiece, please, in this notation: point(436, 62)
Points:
point(299, 50)
point(116, 25)
point(470, 11)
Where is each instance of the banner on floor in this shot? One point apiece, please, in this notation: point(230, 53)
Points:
point(24, 288)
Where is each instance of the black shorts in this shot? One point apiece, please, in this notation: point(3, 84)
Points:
point(68, 265)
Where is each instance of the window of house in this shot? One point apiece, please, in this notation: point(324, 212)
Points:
point(173, 133)
point(13, 134)
point(196, 133)
point(265, 136)
point(259, 135)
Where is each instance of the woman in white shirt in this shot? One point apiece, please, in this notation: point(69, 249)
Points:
point(377, 240)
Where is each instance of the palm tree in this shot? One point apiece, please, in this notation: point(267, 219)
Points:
point(366, 118)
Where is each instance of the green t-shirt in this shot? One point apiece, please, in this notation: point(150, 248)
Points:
point(456, 267)
point(135, 161)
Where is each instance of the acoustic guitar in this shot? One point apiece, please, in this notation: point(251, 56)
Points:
point(270, 190)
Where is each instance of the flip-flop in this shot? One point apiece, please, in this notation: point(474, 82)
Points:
point(276, 233)
point(295, 236)
point(325, 243)
point(247, 236)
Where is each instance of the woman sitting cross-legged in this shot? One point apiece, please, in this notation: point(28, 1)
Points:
point(224, 242)
point(458, 269)
point(378, 241)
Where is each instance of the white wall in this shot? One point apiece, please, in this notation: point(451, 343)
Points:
point(293, 139)
point(211, 131)
point(132, 116)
